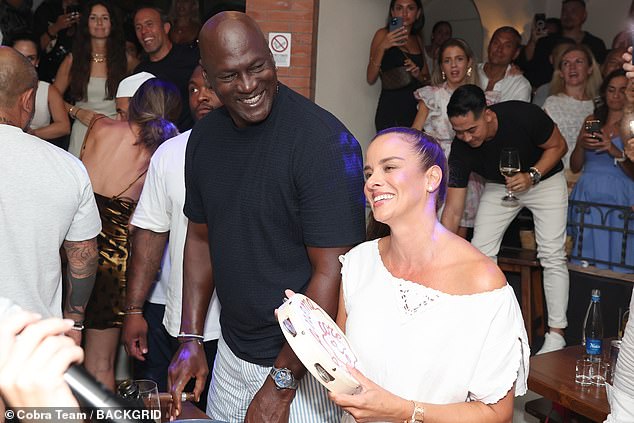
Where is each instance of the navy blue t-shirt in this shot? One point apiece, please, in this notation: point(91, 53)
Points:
point(523, 126)
point(266, 192)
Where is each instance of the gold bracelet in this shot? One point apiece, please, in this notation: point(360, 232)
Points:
point(373, 63)
point(73, 112)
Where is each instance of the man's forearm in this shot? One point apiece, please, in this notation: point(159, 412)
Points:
point(198, 283)
point(450, 221)
point(82, 269)
point(147, 249)
point(323, 288)
point(549, 159)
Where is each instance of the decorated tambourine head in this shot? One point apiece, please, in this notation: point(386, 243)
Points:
point(319, 343)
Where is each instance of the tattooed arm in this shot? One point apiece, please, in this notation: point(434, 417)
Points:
point(145, 261)
point(82, 269)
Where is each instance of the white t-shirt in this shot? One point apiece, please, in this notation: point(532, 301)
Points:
point(569, 114)
point(45, 198)
point(426, 345)
point(160, 209)
point(511, 87)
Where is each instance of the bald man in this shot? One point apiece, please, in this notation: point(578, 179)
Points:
point(46, 202)
point(273, 197)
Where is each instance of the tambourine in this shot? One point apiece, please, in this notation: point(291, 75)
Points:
point(319, 343)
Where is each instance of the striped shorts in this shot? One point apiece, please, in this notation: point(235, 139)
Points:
point(234, 383)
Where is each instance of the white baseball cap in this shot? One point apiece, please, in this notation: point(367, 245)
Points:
point(129, 85)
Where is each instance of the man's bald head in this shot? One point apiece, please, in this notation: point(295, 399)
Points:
point(17, 75)
point(239, 66)
point(229, 26)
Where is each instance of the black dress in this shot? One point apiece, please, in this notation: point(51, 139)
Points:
point(397, 107)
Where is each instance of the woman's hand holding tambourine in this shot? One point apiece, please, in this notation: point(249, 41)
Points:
point(372, 403)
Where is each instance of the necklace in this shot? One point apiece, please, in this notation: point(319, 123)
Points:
point(98, 57)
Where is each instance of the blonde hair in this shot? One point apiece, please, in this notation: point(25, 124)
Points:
point(437, 79)
point(591, 89)
point(154, 106)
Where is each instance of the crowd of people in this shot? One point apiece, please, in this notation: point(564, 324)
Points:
point(182, 228)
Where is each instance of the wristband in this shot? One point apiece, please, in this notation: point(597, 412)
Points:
point(621, 159)
point(128, 313)
point(190, 335)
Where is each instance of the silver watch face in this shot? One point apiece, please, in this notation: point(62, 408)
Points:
point(283, 378)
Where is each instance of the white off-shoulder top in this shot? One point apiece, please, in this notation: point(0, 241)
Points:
point(426, 345)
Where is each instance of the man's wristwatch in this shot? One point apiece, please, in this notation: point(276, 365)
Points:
point(283, 378)
point(535, 175)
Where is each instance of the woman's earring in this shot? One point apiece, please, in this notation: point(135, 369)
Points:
point(444, 76)
point(469, 72)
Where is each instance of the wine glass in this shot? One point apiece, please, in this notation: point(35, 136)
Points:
point(148, 393)
point(509, 166)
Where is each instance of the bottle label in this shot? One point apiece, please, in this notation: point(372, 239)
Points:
point(593, 346)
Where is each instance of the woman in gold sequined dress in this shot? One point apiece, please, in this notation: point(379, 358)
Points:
point(117, 155)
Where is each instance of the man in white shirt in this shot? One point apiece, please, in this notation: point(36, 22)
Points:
point(497, 73)
point(46, 202)
point(159, 216)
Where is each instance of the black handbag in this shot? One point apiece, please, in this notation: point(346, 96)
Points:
point(396, 78)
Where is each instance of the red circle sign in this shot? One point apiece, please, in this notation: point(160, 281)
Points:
point(279, 43)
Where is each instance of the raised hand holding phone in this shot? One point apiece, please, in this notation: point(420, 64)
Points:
point(397, 31)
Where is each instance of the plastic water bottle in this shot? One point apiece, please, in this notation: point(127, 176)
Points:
point(593, 327)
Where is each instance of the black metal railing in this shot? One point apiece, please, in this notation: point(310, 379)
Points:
point(623, 225)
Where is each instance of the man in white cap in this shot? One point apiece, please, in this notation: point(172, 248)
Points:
point(125, 91)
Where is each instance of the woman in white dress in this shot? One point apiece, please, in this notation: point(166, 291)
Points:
point(575, 83)
point(95, 67)
point(437, 330)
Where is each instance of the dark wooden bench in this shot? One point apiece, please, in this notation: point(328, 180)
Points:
point(526, 264)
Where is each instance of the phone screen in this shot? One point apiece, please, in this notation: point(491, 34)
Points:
point(395, 23)
point(540, 22)
point(592, 126)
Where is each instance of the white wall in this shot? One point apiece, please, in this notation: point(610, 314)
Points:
point(346, 28)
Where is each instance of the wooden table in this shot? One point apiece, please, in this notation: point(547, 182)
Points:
point(552, 375)
point(188, 411)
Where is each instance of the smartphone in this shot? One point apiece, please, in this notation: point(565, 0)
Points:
point(592, 126)
point(395, 23)
point(73, 9)
point(540, 23)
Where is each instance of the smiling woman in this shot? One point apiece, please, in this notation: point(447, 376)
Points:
point(92, 72)
point(394, 290)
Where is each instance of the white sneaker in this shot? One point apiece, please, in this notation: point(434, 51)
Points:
point(552, 342)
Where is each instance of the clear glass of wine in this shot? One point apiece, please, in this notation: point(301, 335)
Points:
point(509, 166)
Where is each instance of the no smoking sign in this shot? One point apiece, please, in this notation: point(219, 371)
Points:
point(280, 45)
